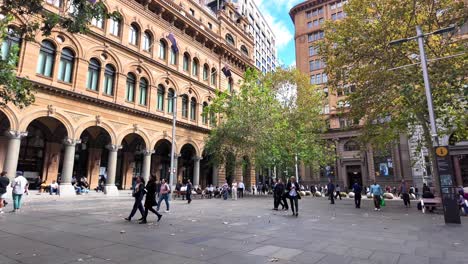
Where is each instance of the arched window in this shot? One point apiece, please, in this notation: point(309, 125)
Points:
point(10, 42)
point(351, 145)
point(67, 60)
point(214, 76)
point(244, 50)
point(186, 62)
point(185, 102)
point(206, 70)
point(109, 79)
point(147, 41)
point(195, 67)
point(94, 69)
point(230, 85)
point(56, 3)
point(162, 49)
point(143, 91)
point(205, 114)
point(160, 102)
point(45, 64)
point(130, 91)
point(114, 26)
point(229, 39)
point(193, 108)
point(98, 21)
point(170, 102)
point(134, 34)
point(173, 57)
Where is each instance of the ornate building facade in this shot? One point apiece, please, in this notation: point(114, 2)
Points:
point(104, 101)
point(353, 163)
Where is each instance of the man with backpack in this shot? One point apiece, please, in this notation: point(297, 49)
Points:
point(357, 189)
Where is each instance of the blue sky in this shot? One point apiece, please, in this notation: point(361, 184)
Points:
point(276, 13)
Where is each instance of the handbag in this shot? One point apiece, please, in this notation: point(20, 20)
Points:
point(382, 202)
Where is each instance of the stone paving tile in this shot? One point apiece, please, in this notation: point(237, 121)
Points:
point(240, 257)
point(6, 260)
point(267, 250)
point(359, 253)
point(287, 253)
point(309, 257)
point(335, 259)
point(382, 257)
point(411, 259)
point(229, 244)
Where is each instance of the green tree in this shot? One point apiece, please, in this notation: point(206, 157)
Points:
point(271, 119)
point(38, 19)
point(392, 101)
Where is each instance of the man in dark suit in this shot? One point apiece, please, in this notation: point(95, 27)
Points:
point(188, 192)
point(357, 189)
point(331, 189)
point(278, 193)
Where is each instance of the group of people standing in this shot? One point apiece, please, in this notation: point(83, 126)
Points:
point(281, 193)
point(20, 186)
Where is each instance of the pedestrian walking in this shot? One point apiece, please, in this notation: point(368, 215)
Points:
point(338, 191)
point(150, 200)
point(138, 194)
point(240, 188)
point(20, 187)
point(331, 189)
point(294, 196)
point(188, 192)
point(234, 190)
point(225, 190)
point(164, 193)
point(4, 182)
point(404, 193)
point(376, 191)
point(357, 189)
point(278, 193)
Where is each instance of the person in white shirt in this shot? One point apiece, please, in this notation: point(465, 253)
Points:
point(20, 186)
point(241, 188)
point(234, 190)
point(54, 188)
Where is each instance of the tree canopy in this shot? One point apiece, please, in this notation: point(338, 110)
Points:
point(271, 119)
point(389, 97)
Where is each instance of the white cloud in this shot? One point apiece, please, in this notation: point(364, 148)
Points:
point(282, 33)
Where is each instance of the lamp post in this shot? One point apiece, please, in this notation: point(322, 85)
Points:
point(442, 159)
point(174, 121)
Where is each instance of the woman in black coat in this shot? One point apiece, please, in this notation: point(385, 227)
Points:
point(294, 196)
point(150, 199)
point(138, 193)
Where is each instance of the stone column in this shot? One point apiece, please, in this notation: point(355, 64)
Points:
point(12, 155)
point(66, 188)
point(215, 175)
point(196, 171)
point(110, 188)
point(145, 172)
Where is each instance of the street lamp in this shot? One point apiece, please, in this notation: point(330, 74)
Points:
point(445, 172)
point(174, 121)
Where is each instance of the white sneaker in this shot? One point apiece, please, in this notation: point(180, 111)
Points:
point(375, 209)
point(378, 209)
point(167, 211)
point(1, 212)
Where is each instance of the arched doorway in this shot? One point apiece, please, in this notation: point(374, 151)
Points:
point(206, 171)
point(4, 127)
point(161, 160)
point(91, 156)
point(130, 160)
point(230, 168)
point(186, 163)
point(42, 152)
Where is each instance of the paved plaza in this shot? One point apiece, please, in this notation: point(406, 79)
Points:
point(91, 229)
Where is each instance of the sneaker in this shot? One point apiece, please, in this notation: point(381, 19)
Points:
point(375, 209)
point(378, 209)
point(167, 211)
point(159, 217)
point(143, 222)
point(128, 219)
point(1, 212)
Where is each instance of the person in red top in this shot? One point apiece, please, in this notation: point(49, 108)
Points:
point(164, 195)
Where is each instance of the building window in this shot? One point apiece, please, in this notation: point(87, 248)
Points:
point(160, 102)
point(10, 42)
point(312, 51)
point(244, 50)
point(56, 3)
point(308, 14)
point(143, 91)
point(45, 64)
point(172, 57)
point(309, 24)
point(170, 102)
point(214, 76)
point(134, 34)
point(326, 109)
point(98, 22)
point(230, 85)
point(185, 102)
point(206, 69)
point(312, 79)
point(324, 78)
point(131, 83)
point(114, 26)
point(186, 62)
point(109, 79)
point(147, 41)
point(192, 12)
point(67, 60)
point(321, 21)
point(205, 114)
point(230, 39)
point(210, 26)
point(333, 17)
point(344, 122)
point(351, 145)
point(195, 67)
point(162, 49)
point(94, 69)
point(193, 108)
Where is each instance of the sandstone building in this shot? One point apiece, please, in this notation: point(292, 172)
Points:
point(104, 100)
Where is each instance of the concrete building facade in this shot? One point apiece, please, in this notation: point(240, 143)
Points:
point(104, 100)
point(354, 162)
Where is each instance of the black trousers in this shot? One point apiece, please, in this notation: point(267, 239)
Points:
point(147, 210)
point(338, 195)
point(357, 200)
point(189, 196)
point(240, 192)
point(277, 201)
point(294, 204)
point(285, 202)
point(406, 199)
point(332, 198)
point(139, 206)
